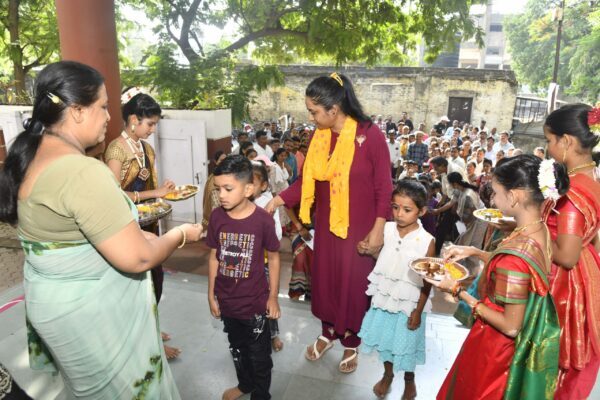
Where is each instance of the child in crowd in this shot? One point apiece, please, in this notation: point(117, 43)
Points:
point(262, 195)
point(436, 190)
point(238, 291)
point(429, 220)
point(251, 154)
point(395, 324)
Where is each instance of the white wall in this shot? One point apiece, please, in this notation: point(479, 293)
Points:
point(218, 122)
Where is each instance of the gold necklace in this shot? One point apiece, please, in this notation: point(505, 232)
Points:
point(520, 229)
point(583, 166)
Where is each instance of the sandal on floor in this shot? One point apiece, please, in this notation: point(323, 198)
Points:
point(316, 354)
point(345, 361)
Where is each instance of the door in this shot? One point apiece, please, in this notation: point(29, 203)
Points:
point(182, 158)
point(459, 108)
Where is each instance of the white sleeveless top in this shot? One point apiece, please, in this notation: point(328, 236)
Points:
point(394, 287)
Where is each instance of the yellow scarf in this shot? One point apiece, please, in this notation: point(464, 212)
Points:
point(318, 166)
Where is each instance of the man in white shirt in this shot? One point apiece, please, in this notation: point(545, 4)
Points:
point(456, 158)
point(262, 148)
point(503, 144)
point(479, 162)
point(450, 130)
point(394, 148)
point(490, 153)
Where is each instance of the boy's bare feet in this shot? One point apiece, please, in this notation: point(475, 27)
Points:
point(277, 344)
point(410, 389)
point(165, 336)
point(171, 352)
point(382, 388)
point(232, 393)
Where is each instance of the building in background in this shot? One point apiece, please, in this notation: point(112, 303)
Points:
point(494, 54)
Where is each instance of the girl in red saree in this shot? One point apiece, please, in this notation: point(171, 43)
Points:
point(511, 351)
point(574, 223)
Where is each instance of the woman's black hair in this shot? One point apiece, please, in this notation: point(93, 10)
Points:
point(142, 106)
point(277, 153)
point(488, 161)
point(236, 165)
point(326, 91)
point(413, 189)
point(259, 169)
point(455, 177)
point(249, 151)
point(244, 147)
point(58, 86)
point(218, 154)
point(572, 119)
point(521, 172)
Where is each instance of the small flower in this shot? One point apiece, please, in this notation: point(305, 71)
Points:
point(547, 180)
point(594, 120)
point(360, 139)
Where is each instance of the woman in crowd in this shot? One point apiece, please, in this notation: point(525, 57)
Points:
point(132, 161)
point(484, 183)
point(574, 222)
point(468, 201)
point(511, 351)
point(346, 175)
point(90, 309)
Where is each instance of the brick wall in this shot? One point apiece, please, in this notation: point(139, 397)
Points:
point(422, 92)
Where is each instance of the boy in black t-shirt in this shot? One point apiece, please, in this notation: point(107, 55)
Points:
point(239, 232)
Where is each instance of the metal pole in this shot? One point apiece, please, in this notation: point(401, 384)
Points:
point(558, 36)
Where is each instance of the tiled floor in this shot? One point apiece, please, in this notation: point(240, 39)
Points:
point(205, 369)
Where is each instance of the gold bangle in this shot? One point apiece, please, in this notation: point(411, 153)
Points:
point(180, 229)
point(136, 196)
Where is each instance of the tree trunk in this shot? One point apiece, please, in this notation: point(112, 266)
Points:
point(16, 51)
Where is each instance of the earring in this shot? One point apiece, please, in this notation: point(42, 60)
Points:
point(132, 128)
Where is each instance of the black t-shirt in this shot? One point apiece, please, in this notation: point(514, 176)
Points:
point(241, 286)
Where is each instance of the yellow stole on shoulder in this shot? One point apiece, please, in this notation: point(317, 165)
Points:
point(318, 166)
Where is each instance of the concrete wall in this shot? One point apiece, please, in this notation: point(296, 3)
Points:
point(422, 92)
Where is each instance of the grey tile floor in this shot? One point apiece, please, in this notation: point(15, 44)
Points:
point(205, 369)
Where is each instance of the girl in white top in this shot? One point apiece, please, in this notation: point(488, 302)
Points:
point(395, 324)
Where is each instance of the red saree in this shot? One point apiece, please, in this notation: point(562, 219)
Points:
point(577, 291)
point(491, 365)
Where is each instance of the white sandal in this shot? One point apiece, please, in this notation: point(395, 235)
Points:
point(345, 361)
point(317, 355)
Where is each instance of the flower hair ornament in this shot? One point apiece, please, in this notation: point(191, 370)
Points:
point(594, 123)
point(130, 94)
point(547, 180)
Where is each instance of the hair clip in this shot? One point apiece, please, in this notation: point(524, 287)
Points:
point(53, 98)
point(130, 94)
point(335, 76)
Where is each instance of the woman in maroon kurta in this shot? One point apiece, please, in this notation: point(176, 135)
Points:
point(339, 272)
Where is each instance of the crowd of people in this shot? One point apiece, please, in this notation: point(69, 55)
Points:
point(359, 197)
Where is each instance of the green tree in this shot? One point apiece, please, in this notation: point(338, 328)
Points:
point(29, 40)
point(284, 31)
point(532, 43)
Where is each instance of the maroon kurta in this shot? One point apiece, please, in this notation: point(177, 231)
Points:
point(339, 273)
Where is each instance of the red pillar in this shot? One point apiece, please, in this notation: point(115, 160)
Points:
point(88, 34)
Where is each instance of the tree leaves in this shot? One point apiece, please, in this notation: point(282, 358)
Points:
point(532, 41)
point(286, 31)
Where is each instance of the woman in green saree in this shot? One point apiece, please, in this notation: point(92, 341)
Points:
point(91, 312)
point(511, 351)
